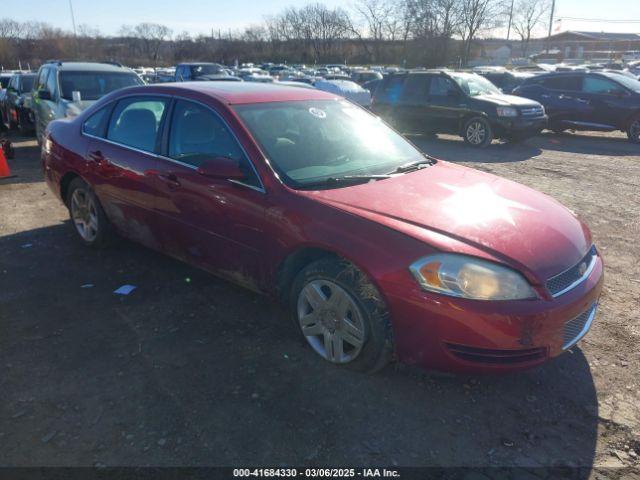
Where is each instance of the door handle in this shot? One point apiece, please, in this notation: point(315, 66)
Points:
point(170, 179)
point(96, 156)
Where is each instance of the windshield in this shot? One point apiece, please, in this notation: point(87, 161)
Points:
point(474, 85)
point(310, 141)
point(630, 83)
point(93, 85)
point(200, 70)
point(27, 83)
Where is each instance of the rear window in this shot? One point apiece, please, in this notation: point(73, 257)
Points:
point(93, 85)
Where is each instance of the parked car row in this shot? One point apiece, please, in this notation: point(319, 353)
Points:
point(480, 106)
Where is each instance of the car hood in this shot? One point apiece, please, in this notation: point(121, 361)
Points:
point(505, 100)
point(504, 220)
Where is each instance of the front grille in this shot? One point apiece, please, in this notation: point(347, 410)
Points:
point(577, 328)
point(497, 357)
point(532, 111)
point(570, 278)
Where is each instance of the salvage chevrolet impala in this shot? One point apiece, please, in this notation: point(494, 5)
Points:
point(377, 249)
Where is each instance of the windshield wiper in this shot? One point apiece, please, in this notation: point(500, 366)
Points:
point(345, 179)
point(417, 165)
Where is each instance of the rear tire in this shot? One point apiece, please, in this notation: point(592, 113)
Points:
point(477, 132)
point(341, 315)
point(633, 131)
point(87, 216)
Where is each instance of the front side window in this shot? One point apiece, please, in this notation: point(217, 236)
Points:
point(440, 87)
point(51, 87)
point(598, 85)
point(93, 85)
point(135, 122)
point(42, 79)
point(198, 134)
point(474, 85)
point(311, 141)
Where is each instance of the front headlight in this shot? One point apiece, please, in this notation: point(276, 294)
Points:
point(507, 112)
point(469, 277)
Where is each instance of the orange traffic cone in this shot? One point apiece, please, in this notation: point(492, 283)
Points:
point(4, 166)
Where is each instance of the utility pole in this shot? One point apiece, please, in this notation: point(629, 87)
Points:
point(510, 20)
point(73, 23)
point(553, 7)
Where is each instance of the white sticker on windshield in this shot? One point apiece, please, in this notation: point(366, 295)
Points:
point(316, 112)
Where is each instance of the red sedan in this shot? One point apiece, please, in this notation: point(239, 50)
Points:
point(378, 249)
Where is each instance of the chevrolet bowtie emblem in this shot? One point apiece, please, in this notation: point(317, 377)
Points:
point(582, 268)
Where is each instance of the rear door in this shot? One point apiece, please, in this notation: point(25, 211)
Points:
point(217, 224)
point(562, 98)
point(122, 159)
point(385, 101)
point(411, 110)
point(608, 101)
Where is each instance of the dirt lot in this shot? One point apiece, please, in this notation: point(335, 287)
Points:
point(189, 370)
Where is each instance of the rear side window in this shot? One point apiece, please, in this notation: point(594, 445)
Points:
point(600, 85)
point(136, 121)
point(96, 124)
point(415, 88)
point(562, 82)
point(390, 91)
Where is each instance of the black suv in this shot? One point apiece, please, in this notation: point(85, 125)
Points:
point(599, 101)
point(505, 80)
point(426, 101)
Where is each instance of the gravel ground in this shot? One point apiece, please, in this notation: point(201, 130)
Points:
point(190, 370)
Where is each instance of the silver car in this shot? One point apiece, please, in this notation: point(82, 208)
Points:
point(64, 89)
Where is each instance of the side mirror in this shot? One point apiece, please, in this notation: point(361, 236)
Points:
point(221, 167)
point(44, 94)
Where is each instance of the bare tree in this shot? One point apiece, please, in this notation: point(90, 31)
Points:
point(528, 16)
point(381, 23)
point(478, 16)
point(151, 35)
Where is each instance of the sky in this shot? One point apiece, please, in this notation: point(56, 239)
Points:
point(203, 16)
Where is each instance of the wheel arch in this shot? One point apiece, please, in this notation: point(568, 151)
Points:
point(65, 181)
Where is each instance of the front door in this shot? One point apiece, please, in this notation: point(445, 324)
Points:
point(216, 224)
point(45, 108)
point(608, 101)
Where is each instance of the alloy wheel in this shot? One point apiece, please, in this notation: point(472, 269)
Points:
point(476, 132)
point(84, 214)
point(331, 321)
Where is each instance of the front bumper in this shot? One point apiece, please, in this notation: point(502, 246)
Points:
point(520, 125)
point(470, 336)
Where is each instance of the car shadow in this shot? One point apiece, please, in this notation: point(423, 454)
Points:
point(191, 370)
point(453, 149)
point(588, 143)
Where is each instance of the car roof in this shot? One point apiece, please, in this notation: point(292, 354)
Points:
point(236, 93)
point(87, 66)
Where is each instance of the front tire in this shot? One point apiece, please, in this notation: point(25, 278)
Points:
point(633, 132)
point(342, 316)
point(477, 132)
point(87, 216)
